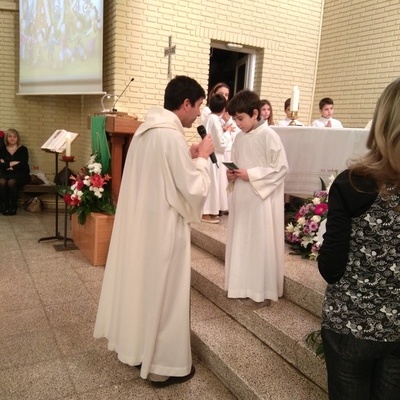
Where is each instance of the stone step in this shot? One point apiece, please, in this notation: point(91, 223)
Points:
point(243, 362)
point(303, 284)
point(283, 326)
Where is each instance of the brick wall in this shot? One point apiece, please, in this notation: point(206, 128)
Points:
point(135, 34)
point(358, 56)
point(284, 36)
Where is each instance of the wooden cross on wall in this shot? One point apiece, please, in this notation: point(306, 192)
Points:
point(169, 51)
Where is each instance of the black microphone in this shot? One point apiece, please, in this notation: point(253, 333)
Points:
point(202, 132)
point(126, 87)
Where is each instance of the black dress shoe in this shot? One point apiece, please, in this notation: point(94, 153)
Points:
point(172, 380)
point(12, 211)
point(6, 211)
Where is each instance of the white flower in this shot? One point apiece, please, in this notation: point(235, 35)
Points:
point(331, 179)
point(77, 194)
point(306, 241)
point(86, 180)
point(297, 231)
point(98, 192)
point(316, 218)
point(94, 168)
point(290, 228)
point(316, 201)
point(301, 221)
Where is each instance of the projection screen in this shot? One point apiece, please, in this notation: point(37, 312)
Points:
point(61, 47)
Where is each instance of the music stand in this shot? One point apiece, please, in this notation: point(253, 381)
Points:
point(57, 235)
point(65, 245)
point(57, 144)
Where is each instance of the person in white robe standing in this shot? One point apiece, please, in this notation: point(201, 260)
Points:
point(217, 199)
point(145, 299)
point(255, 238)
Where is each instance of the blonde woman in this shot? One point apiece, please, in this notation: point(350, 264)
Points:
point(14, 171)
point(360, 259)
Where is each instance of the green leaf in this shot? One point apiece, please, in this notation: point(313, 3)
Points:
point(314, 341)
point(63, 190)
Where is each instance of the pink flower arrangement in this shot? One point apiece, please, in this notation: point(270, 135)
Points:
point(304, 234)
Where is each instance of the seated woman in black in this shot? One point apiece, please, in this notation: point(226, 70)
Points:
point(14, 171)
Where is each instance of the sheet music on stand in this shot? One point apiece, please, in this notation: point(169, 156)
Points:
point(57, 142)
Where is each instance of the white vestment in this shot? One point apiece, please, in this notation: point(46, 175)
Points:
point(255, 239)
point(287, 121)
point(145, 298)
point(205, 112)
point(217, 199)
point(321, 123)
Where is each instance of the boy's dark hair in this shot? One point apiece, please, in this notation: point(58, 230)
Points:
point(245, 101)
point(287, 104)
point(323, 102)
point(181, 88)
point(218, 103)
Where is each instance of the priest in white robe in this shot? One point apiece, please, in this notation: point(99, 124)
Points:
point(255, 238)
point(145, 298)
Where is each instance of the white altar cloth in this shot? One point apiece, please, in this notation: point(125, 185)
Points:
point(315, 153)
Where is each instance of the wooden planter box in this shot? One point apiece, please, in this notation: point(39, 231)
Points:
point(93, 238)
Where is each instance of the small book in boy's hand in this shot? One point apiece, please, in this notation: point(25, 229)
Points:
point(230, 165)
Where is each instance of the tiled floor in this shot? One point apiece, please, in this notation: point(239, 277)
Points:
point(48, 305)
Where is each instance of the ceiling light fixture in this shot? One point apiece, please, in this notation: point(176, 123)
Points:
point(234, 46)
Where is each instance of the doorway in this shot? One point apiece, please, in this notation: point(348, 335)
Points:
point(234, 67)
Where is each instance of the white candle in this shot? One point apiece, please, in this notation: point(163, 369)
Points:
point(294, 100)
point(68, 144)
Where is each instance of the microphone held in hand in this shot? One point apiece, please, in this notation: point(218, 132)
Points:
point(126, 87)
point(202, 132)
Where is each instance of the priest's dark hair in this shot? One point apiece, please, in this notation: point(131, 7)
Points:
point(245, 101)
point(181, 88)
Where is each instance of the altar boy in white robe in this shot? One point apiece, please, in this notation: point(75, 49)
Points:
point(255, 239)
point(145, 298)
point(217, 199)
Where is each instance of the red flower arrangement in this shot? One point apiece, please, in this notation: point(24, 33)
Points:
point(89, 192)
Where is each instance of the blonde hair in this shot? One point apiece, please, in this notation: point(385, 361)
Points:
point(382, 162)
point(271, 114)
point(9, 132)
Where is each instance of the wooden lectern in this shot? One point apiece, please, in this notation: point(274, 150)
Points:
point(121, 130)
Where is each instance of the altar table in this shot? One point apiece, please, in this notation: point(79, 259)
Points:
point(315, 153)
